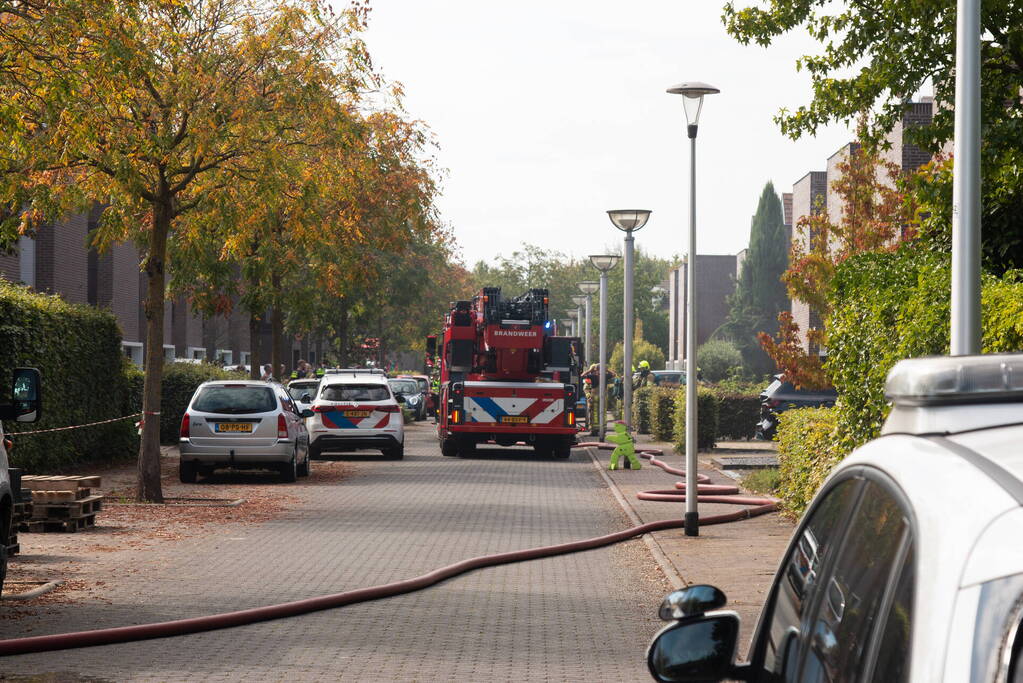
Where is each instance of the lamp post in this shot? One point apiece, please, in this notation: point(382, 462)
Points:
point(965, 318)
point(589, 288)
point(579, 300)
point(692, 102)
point(603, 263)
point(628, 220)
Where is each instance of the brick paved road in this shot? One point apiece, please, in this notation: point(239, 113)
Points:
point(586, 616)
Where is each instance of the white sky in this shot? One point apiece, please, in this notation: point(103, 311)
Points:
point(548, 113)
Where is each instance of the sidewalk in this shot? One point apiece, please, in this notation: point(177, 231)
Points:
point(740, 558)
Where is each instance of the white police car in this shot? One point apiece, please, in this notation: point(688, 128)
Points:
point(908, 565)
point(355, 411)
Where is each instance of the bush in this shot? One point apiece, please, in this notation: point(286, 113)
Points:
point(77, 349)
point(807, 451)
point(706, 419)
point(641, 350)
point(641, 399)
point(180, 381)
point(737, 414)
point(662, 411)
point(766, 481)
point(717, 360)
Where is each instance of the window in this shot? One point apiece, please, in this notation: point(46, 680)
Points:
point(298, 389)
point(798, 581)
point(892, 662)
point(355, 392)
point(404, 386)
point(235, 400)
point(133, 351)
point(849, 611)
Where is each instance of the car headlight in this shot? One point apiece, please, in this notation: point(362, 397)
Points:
point(413, 400)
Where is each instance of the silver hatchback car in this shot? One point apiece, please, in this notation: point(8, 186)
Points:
point(243, 425)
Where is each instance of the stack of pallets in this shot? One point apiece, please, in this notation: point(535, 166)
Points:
point(61, 503)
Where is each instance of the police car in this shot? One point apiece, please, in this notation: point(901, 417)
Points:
point(907, 566)
point(354, 411)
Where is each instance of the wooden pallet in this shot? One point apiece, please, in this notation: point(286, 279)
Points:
point(58, 525)
point(22, 511)
point(38, 482)
point(61, 511)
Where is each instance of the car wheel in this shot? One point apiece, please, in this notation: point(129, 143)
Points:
point(563, 451)
point(303, 469)
point(448, 448)
point(188, 472)
point(289, 470)
point(395, 453)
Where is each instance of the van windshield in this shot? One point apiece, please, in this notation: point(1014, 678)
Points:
point(355, 392)
point(235, 400)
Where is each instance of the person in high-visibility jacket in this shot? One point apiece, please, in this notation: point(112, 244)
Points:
point(591, 405)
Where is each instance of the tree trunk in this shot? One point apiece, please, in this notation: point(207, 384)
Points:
point(149, 487)
point(255, 346)
point(342, 333)
point(276, 329)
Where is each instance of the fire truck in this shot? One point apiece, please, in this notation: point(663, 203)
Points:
point(505, 377)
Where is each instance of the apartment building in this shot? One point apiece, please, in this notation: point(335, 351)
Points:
point(715, 276)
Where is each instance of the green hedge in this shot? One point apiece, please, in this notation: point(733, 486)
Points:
point(641, 409)
point(808, 449)
point(77, 350)
point(706, 419)
point(737, 414)
point(662, 412)
point(180, 381)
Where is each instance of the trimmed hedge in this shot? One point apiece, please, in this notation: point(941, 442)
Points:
point(641, 409)
point(808, 448)
point(737, 415)
point(662, 412)
point(706, 419)
point(77, 350)
point(180, 381)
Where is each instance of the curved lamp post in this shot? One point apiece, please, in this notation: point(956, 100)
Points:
point(603, 263)
point(692, 101)
point(628, 221)
point(589, 288)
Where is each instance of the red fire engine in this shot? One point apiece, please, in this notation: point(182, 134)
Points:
point(499, 360)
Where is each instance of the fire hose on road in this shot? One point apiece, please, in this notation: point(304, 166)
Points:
point(124, 634)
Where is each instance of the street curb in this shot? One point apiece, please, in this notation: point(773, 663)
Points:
point(34, 593)
point(667, 568)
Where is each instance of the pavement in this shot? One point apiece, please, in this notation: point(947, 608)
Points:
point(581, 617)
point(740, 558)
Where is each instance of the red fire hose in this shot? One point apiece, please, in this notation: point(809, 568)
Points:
point(123, 634)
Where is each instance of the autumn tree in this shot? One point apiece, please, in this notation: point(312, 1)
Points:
point(876, 215)
point(156, 110)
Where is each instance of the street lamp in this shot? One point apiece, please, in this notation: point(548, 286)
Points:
point(628, 220)
point(580, 301)
point(603, 263)
point(589, 288)
point(692, 101)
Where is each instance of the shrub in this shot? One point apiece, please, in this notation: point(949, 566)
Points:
point(807, 451)
point(737, 414)
point(717, 359)
point(641, 399)
point(180, 381)
point(77, 349)
point(706, 419)
point(641, 350)
point(766, 480)
point(662, 410)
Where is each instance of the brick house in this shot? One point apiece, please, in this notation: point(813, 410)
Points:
point(715, 282)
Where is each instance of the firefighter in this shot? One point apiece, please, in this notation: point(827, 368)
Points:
point(591, 405)
point(641, 378)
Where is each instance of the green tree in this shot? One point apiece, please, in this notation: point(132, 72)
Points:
point(760, 293)
point(718, 359)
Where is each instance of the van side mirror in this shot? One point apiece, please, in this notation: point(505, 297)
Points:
point(695, 649)
point(26, 395)
point(400, 398)
point(306, 413)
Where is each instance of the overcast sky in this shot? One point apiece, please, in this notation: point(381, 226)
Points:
point(548, 113)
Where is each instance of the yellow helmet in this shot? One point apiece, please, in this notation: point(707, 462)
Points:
point(644, 365)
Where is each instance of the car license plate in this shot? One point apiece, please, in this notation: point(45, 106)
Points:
point(244, 427)
point(514, 419)
point(356, 413)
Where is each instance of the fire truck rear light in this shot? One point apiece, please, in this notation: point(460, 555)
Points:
point(282, 427)
point(456, 416)
point(571, 418)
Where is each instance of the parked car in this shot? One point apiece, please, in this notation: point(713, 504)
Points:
point(424, 389)
point(658, 377)
point(26, 406)
point(408, 389)
point(303, 391)
point(243, 425)
point(357, 411)
point(780, 396)
point(906, 567)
